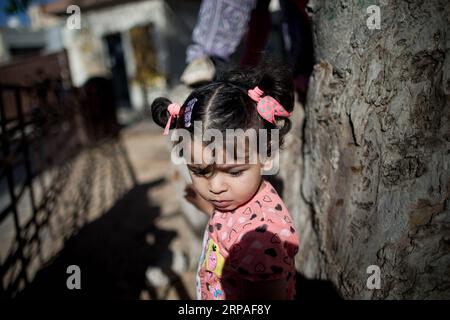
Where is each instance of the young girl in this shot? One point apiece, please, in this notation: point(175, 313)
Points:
point(250, 243)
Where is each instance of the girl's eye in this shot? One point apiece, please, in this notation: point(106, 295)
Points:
point(236, 173)
point(198, 174)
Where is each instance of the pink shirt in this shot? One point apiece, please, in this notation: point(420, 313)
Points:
point(254, 242)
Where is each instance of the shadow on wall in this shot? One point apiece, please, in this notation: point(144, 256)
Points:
point(112, 253)
point(308, 289)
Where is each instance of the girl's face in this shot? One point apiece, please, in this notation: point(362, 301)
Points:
point(229, 185)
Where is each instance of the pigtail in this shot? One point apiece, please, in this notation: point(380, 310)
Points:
point(160, 114)
point(275, 79)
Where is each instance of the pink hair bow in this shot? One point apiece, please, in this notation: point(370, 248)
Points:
point(268, 107)
point(174, 110)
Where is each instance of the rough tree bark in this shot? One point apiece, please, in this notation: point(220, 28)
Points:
point(373, 153)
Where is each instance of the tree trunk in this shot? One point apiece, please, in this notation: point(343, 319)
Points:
point(373, 152)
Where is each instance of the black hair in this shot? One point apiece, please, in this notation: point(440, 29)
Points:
point(225, 104)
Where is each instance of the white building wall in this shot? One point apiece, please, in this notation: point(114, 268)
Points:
point(87, 57)
point(88, 54)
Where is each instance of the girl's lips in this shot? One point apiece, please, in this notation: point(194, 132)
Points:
point(221, 204)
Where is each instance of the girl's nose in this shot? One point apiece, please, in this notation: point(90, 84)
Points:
point(217, 185)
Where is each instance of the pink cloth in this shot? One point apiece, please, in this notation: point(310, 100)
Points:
point(255, 242)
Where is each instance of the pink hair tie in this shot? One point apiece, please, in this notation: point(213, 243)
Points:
point(255, 94)
point(268, 107)
point(174, 111)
